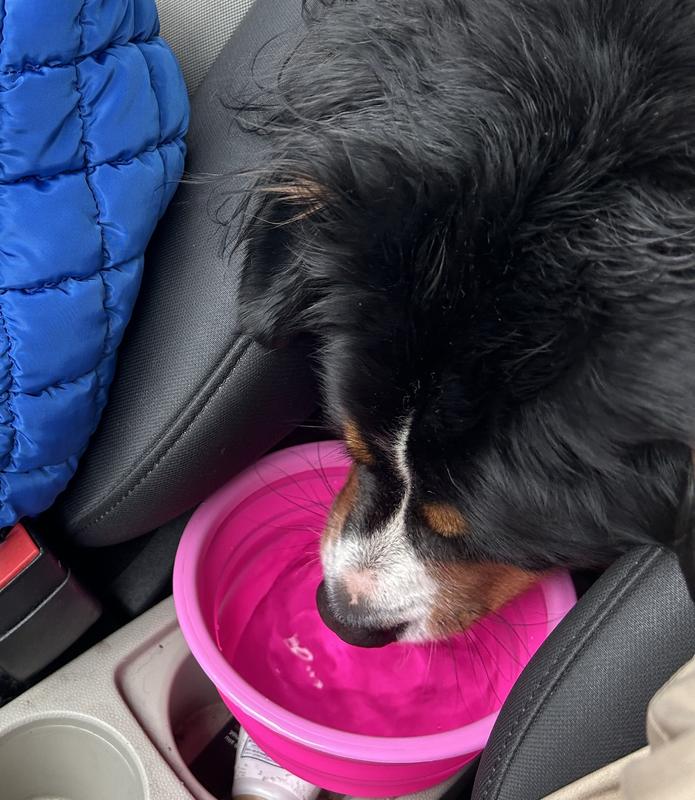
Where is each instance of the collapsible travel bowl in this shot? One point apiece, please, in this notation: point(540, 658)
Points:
point(379, 722)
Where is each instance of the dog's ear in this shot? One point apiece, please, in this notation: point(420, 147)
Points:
point(275, 291)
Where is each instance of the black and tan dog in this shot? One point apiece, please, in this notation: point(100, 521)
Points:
point(484, 211)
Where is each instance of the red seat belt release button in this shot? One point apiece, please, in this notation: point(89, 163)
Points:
point(17, 551)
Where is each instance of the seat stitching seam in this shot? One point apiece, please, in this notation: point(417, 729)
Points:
point(195, 407)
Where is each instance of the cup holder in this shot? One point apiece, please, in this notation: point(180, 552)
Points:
point(180, 710)
point(201, 725)
point(67, 759)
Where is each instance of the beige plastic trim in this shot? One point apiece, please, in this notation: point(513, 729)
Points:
point(75, 731)
point(174, 702)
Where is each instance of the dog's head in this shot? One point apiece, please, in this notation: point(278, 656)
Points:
point(485, 215)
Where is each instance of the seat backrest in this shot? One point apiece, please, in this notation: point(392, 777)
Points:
point(581, 703)
point(192, 402)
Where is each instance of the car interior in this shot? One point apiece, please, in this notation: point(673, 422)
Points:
point(88, 638)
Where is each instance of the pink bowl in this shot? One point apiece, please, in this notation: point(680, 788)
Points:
point(244, 583)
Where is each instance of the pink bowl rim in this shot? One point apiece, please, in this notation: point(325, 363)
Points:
point(557, 588)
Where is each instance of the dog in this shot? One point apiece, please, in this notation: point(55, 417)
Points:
point(483, 214)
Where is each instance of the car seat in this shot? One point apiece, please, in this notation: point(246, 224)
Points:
point(193, 403)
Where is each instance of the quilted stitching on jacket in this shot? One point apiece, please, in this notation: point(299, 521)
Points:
point(93, 112)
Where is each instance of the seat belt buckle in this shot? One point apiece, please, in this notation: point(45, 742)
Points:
point(43, 607)
point(18, 551)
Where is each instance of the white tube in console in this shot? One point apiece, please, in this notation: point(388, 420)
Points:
point(257, 776)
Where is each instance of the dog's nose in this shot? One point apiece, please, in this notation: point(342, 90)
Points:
point(354, 634)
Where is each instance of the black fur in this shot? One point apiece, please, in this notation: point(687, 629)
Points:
point(496, 233)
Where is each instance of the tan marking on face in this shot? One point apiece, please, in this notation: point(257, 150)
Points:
point(444, 519)
point(466, 592)
point(340, 510)
point(356, 445)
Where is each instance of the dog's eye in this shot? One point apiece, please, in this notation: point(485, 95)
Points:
point(444, 519)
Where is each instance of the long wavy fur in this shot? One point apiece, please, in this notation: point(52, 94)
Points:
point(485, 212)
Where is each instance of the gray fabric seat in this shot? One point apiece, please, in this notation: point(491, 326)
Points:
point(198, 30)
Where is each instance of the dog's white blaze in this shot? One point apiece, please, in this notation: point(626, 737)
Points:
point(401, 457)
point(402, 590)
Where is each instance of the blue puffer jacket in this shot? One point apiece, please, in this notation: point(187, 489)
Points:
point(93, 111)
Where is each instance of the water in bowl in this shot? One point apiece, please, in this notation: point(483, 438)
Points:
point(286, 652)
